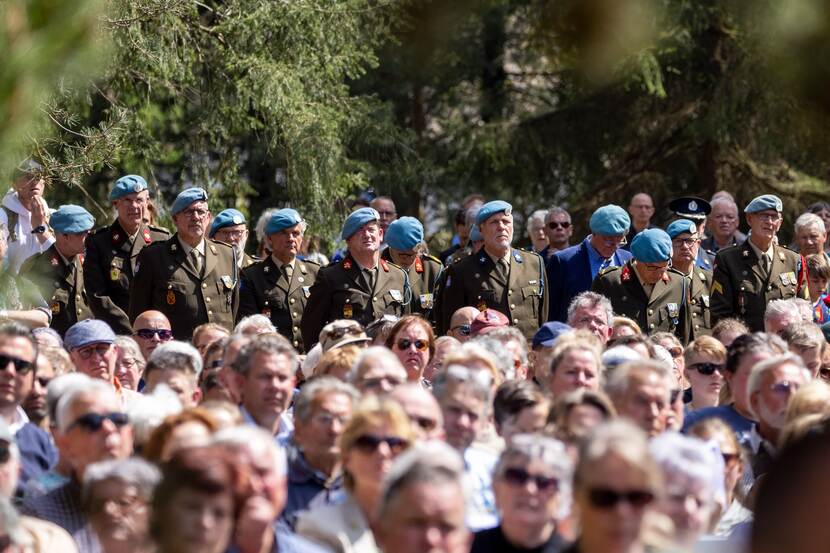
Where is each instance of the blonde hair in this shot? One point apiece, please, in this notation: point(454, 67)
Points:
point(811, 399)
point(580, 340)
point(338, 358)
point(619, 321)
point(705, 345)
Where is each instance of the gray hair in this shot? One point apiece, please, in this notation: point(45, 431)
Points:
point(130, 346)
point(495, 347)
point(57, 387)
point(507, 334)
point(590, 300)
point(256, 441)
point(622, 438)
point(476, 382)
point(537, 216)
point(303, 405)
point(77, 390)
point(806, 220)
point(756, 375)
point(470, 216)
point(373, 354)
point(617, 382)
point(804, 336)
point(134, 471)
point(557, 210)
point(254, 323)
point(783, 308)
point(175, 356)
point(272, 344)
point(690, 459)
point(722, 198)
point(148, 411)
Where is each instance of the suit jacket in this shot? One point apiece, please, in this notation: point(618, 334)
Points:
point(423, 277)
point(569, 273)
point(166, 281)
point(108, 270)
point(341, 528)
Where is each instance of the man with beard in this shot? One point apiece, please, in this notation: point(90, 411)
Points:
point(230, 227)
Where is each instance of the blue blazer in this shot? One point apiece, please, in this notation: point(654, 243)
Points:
point(569, 273)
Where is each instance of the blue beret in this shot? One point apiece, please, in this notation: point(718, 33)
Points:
point(549, 332)
point(127, 185)
point(71, 219)
point(187, 197)
point(691, 207)
point(475, 234)
point(761, 203)
point(651, 246)
point(88, 331)
point(609, 220)
point(356, 220)
point(405, 233)
point(491, 208)
point(680, 226)
point(281, 220)
point(227, 218)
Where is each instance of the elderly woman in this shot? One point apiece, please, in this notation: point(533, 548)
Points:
point(413, 341)
point(377, 371)
point(116, 497)
point(575, 363)
point(378, 432)
point(129, 364)
point(532, 484)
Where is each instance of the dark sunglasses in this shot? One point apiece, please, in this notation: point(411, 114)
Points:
point(92, 422)
point(520, 477)
point(707, 369)
point(555, 225)
point(604, 498)
point(20, 365)
point(420, 345)
point(369, 443)
point(339, 332)
point(464, 330)
point(148, 333)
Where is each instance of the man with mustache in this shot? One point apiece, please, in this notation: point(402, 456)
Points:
point(112, 252)
point(230, 227)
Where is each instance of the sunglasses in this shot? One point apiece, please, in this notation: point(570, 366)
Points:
point(369, 443)
point(148, 333)
point(20, 365)
point(100, 349)
point(92, 422)
point(605, 498)
point(341, 331)
point(554, 225)
point(729, 458)
point(707, 369)
point(464, 330)
point(420, 345)
point(520, 477)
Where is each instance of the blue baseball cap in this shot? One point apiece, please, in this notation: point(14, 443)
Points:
point(651, 246)
point(187, 197)
point(127, 184)
point(88, 331)
point(404, 234)
point(281, 220)
point(226, 218)
point(548, 333)
point(609, 220)
point(680, 226)
point(356, 220)
point(71, 219)
point(491, 208)
point(764, 202)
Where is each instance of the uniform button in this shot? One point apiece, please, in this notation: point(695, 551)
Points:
point(697, 327)
point(515, 321)
point(78, 298)
point(207, 300)
point(694, 314)
point(296, 344)
point(79, 311)
point(651, 325)
point(293, 313)
point(210, 312)
point(512, 306)
point(375, 298)
point(651, 311)
point(204, 285)
point(292, 300)
point(510, 292)
point(296, 329)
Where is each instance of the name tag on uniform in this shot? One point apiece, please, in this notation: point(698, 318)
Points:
point(306, 291)
point(673, 310)
point(426, 301)
point(227, 281)
point(396, 295)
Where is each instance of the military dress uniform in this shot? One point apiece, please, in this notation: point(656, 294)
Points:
point(278, 294)
point(423, 277)
point(109, 267)
point(697, 316)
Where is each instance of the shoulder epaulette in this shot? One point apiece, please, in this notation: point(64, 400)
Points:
point(158, 229)
point(608, 270)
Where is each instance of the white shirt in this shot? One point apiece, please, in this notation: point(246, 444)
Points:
point(26, 244)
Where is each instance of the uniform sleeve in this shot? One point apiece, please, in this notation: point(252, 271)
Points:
point(247, 296)
point(317, 310)
point(721, 295)
point(556, 286)
point(141, 291)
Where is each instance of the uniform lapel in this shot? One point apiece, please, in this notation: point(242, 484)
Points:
point(141, 240)
point(661, 289)
point(353, 272)
point(210, 258)
point(300, 272)
point(270, 272)
point(631, 282)
point(752, 262)
point(514, 271)
point(176, 250)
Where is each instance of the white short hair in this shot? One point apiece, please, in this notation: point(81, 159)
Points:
point(257, 441)
point(693, 461)
point(756, 375)
point(375, 354)
point(175, 355)
point(783, 308)
point(148, 411)
point(92, 387)
point(255, 322)
point(806, 220)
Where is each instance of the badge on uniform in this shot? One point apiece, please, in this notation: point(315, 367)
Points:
point(673, 310)
point(56, 307)
point(54, 261)
point(146, 235)
point(396, 295)
point(716, 287)
point(306, 291)
point(517, 256)
point(419, 266)
point(705, 300)
point(482, 305)
point(171, 297)
point(227, 281)
point(347, 263)
point(426, 301)
point(347, 311)
point(115, 273)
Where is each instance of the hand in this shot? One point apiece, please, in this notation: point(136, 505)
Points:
point(39, 211)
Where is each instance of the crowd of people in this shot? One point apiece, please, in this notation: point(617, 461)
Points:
point(644, 389)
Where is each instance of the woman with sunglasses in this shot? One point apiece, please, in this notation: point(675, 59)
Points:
point(531, 483)
point(377, 433)
point(413, 341)
point(705, 358)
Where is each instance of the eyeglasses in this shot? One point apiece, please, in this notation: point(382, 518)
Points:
point(553, 225)
point(420, 345)
point(771, 217)
point(424, 423)
point(195, 213)
point(369, 443)
point(707, 369)
point(232, 234)
point(784, 387)
point(164, 334)
point(340, 331)
point(605, 498)
point(729, 458)
point(464, 330)
point(20, 365)
point(93, 422)
point(619, 240)
point(520, 477)
point(652, 267)
point(387, 213)
point(97, 349)
point(688, 242)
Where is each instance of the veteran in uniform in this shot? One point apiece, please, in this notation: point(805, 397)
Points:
point(403, 237)
point(112, 252)
point(279, 286)
point(58, 272)
point(645, 289)
point(747, 277)
point(685, 243)
point(230, 227)
point(189, 278)
point(498, 277)
point(696, 210)
point(362, 286)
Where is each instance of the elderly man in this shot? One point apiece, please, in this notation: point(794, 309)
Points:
point(641, 210)
point(696, 210)
point(810, 234)
point(559, 231)
point(498, 277)
point(404, 237)
point(592, 312)
point(807, 341)
point(150, 330)
point(780, 315)
point(189, 278)
point(722, 224)
point(422, 408)
point(386, 211)
point(176, 365)
point(685, 245)
point(279, 286)
point(230, 227)
point(536, 231)
point(461, 323)
point(25, 213)
point(747, 277)
point(362, 287)
point(112, 252)
point(641, 392)
point(58, 271)
point(572, 270)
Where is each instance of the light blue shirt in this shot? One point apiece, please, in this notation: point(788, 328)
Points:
point(478, 481)
point(285, 430)
point(598, 262)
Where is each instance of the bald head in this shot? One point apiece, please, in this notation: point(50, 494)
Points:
point(150, 329)
point(462, 316)
point(641, 209)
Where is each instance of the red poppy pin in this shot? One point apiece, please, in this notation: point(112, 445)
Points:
point(419, 266)
point(347, 263)
point(626, 274)
point(147, 238)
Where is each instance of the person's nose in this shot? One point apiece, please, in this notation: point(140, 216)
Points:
point(433, 536)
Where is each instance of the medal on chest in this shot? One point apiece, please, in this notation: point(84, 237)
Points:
point(171, 297)
point(348, 311)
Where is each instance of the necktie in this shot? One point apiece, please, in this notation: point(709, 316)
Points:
point(196, 260)
point(502, 270)
point(765, 265)
point(286, 271)
point(369, 278)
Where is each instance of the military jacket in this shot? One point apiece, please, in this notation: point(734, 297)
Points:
point(248, 260)
point(264, 289)
point(423, 276)
point(705, 259)
point(473, 281)
point(697, 315)
point(62, 286)
point(108, 270)
point(662, 311)
point(339, 292)
point(741, 289)
point(166, 280)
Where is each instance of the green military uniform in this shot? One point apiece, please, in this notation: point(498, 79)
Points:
point(697, 316)
point(166, 280)
point(248, 260)
point(423, 277)
point(460, 254)
point(341, 292)
point(741, 288)
point(475, 281)
point(111, 255)
point(61, 283)
point(265, 288)
point(661, 311)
